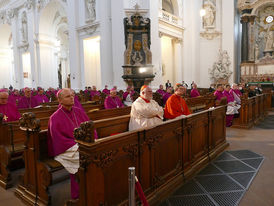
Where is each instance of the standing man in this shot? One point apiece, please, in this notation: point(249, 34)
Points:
point(176, 105)
point(61, 142)
point(145, 112)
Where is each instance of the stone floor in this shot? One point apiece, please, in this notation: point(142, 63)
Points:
point(259, 139)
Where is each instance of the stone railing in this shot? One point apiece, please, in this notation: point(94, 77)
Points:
point(170, 18)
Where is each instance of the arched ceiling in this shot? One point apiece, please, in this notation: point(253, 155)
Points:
point(51, 16)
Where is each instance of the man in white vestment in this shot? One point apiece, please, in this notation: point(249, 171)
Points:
point(145, 112)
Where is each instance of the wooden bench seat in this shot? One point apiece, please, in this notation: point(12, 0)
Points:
point(43, 168)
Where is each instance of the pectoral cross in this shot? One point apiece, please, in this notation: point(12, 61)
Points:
point(5, 118)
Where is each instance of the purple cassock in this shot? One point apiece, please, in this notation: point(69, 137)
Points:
point(113, 102)
point(161, 92)
point(236, 91)
point(26, 102)
point(218, 94)
point(194, 93)
point(127, 93)
point(60, 136)
point(165, 97)
point(106, 91)
point(77, 103)
point(41, 99)
point(10, 112)
point(93, 93)
point(228, 96)
point(13, 98)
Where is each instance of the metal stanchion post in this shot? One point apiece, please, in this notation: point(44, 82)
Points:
point(131, 186)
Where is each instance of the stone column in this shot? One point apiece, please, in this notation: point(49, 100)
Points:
point(251, 37)
point(244, 51)
point(178, 64)
point(18, 70)
point(75, 77)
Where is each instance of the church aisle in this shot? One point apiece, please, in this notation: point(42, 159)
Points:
point(259, 139)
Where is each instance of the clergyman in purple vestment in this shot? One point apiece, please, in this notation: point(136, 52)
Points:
point(113, 101)
point(106, 90)
point(161, 90)
point(61, 142)
point(8, 109)
point(167, 94)
point(194, 92)
point(26, 101)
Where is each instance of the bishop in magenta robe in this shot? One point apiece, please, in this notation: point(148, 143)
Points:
point(113, 101)
point(61, 142)
point(8, 109)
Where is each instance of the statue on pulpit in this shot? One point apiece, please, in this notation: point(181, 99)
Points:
point(60, 76)
point(24, 28)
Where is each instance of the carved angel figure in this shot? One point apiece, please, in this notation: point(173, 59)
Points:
point(91, 9)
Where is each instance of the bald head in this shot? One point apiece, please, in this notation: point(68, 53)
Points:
point(66, 98)
point(146, 93)
point(4, 97)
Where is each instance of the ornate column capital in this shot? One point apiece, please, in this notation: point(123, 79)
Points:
point(29, 4)
point(244, 19)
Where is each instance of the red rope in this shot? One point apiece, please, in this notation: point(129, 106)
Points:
point(140, 192)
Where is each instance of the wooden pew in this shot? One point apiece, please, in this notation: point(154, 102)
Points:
point(253, 110)
point(12, 140)
point(164, 156)
point(42, 171)
point(11, 149)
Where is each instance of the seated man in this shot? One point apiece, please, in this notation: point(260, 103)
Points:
point(41, 97)
point(252, 91)
point(94, 92)
point(26, 101)
point(106, 90)
point(128, 96)
point(8, 109)
point(194, 92)
point(236, 93)
point(176, 105)
point(219, 94)
point(167, 95)
point(161, 90)
point(113, 101)
point(61, 142)
point(145, 112)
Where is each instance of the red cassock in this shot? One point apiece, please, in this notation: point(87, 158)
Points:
point(175, 106)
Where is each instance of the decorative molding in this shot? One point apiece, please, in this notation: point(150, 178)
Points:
point(210, 34)
point(132, 150)
point(29, 122)
point(104, 159)
point(24, 46)
point(85, 132)
point(153, 139)
point(29, 4)
point(88, 29)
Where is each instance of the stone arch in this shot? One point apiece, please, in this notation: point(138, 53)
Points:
point(171, 6)
point(261, 4)
point(53, 42)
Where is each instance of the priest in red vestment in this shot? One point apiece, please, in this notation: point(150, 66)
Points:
point(176, 105)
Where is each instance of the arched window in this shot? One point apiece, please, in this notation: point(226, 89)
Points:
point(168, 6)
